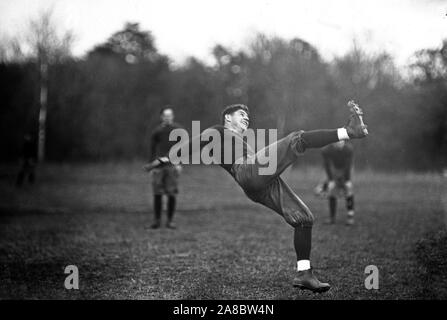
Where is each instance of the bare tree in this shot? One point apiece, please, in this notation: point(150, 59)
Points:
point(48, 46)
point(292, 74)
point(11, 49)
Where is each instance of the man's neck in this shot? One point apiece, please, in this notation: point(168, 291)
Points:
point(231, 128)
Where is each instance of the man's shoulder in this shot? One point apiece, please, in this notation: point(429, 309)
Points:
point(157, 130)
point(217, 126)
point(224, 131)
point(164, 128)
point(176, 125)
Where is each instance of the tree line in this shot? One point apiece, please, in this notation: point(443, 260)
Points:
point(104, 105)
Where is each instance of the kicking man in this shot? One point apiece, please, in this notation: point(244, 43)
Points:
point(338, 163)
point(269, 189)
point(165, 177)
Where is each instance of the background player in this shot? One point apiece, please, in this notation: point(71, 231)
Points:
point(28, 161)
point(338, 164)
point(164, 178)
point(270, 190)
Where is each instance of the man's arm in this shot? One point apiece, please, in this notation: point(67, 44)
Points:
point(194, 141)
point(153, 147)
point(155, 163)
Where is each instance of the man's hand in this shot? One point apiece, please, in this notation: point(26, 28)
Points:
point(163, 160)
point(156, 163)
point(321, 190)
point(148, 167)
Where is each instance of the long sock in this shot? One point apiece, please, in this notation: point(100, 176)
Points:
point(172, 200)
point(320, 138)
point(303, 243)
point(350, 206)
point(157, 206)
point(350, 203)
point(332, 207)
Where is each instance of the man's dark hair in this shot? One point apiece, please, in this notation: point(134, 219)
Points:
point(233, 108)
point(166, 107)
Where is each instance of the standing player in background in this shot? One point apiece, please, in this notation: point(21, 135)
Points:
point(338, 162)
point(28, 161)
point(164, 178)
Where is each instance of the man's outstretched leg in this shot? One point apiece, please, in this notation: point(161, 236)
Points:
point(289, 148)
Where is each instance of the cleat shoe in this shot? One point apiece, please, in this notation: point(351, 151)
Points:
point(306, 280)
point(155, 225)
point(350, 221)
point(171, 225)
point(355, 127)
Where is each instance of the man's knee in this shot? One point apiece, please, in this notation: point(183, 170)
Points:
point(299, 218)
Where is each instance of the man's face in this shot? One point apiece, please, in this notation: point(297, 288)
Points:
point(167, 117)
point(238, 120)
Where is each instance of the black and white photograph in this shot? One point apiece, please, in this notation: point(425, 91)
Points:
point(238, 151)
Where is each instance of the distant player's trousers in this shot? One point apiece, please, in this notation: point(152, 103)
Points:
point(271, 190)
point(165, 180)
point(343, 187)
point(27, 169)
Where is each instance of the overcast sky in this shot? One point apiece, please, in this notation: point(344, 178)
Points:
point(192, 27)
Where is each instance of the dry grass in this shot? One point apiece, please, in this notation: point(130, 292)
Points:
point(226, 247)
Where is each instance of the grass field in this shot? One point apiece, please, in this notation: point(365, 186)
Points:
point(226, 247)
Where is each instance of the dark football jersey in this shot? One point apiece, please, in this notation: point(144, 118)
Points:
point(29, 149)
point(233, 146)
point(160, 144)
point(338, 161)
